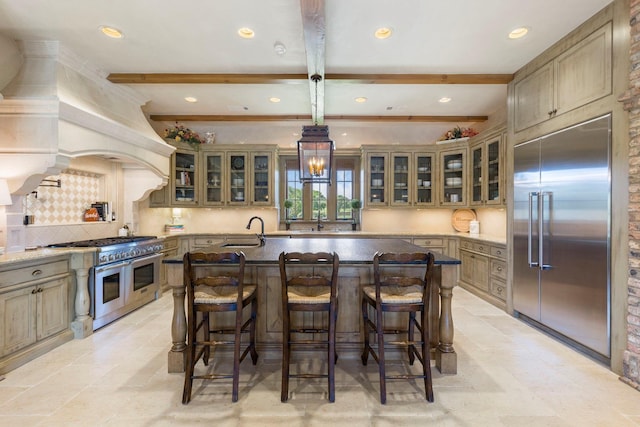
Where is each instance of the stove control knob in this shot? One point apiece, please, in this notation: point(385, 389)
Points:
point(111, 257)
point(118, 255)
point(102, 258)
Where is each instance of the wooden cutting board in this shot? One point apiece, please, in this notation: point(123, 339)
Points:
point(461, 218)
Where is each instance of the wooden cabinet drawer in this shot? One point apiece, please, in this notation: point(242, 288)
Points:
point(466, 244)
point(203, 242)
point(498, 252)
point(498, 289)
point(482, 248)
point(35, 272)
point(170, 243)
point(499, 269)
point(429, 243)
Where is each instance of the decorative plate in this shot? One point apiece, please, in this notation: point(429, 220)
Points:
point(461, 218)
point(238, 163)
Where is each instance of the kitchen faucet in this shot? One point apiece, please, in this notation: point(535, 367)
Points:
point(261, 235)
point(320, 224)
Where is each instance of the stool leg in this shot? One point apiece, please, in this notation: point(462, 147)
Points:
point(236, 354)
point(426, 357)
point(332, 355)
point(191, 354)
point(252, 330)
point(206, 329)
point(286, 337)
point(410, 330)
point(365, 318)
point(381, 367)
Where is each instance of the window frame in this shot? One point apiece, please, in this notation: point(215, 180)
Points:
point(340, 162)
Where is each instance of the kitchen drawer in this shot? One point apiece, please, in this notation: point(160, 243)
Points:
point(429, 243)
point(499, 269)
point(466, 244)
point(203, 242)
point(35, 272)
point(498, 252)
point(499, 289)
point(170, 244)
point(483, 248)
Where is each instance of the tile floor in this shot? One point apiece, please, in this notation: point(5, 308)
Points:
point(508, 375)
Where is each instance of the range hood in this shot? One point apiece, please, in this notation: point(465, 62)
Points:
point(58, 107)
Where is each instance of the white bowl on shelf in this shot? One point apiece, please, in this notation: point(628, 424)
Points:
point(454, 164)
point(453, 181)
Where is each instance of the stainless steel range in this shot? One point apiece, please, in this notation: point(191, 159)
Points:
point(125, 275)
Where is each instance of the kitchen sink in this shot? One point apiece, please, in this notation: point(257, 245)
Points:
point(240, 245)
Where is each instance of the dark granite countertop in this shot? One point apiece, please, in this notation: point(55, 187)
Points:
point(350, 250)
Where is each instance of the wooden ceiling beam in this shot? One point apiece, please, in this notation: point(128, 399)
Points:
point(284, 118)
point(397, 79)
point(313, 28)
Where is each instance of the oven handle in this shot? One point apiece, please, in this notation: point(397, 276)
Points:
point(102, 268)
point(145, 258)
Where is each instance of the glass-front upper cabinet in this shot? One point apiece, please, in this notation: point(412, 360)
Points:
point(424, 179)
point(261, 179)
point(453, 178)
point(377, 179)
point(486, 172)
point(237, 178)
point(185, 185)
point(214, 183)
point(400, 185)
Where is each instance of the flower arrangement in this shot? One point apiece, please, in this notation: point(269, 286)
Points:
point(179, 133)
point(458, 132)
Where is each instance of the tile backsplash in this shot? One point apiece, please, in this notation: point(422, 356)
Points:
point(65, 205)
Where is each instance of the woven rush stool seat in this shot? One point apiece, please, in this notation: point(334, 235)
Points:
point(309, 283)
point(407, 290)
point(222, 291)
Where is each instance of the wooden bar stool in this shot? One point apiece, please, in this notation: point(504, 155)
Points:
point(399, 291)
point(306, 286)
point(224, 291)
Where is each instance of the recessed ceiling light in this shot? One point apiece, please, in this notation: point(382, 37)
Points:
point(518, 32)
point(112, 32)
point(279, 48)
point(246, 33)
point(274, 99)
point(190, 99)
point(361, 99)
point(383, 33)
point(444, 99)
point(344, 134)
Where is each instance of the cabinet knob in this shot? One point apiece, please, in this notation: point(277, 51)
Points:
point(499, 252)
point(499, 268)
point(33, 291)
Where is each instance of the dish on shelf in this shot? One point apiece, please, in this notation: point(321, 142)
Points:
point(426, 183)
point(400, 185)
point(376, 182)
point(453, 181)
point(461, 218)
point(238, 163)
point(423, 169)
point(454, 164)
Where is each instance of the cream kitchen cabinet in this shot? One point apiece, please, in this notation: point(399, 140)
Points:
point(34, 309)
point(424, 179)
point(377, 180)
point(433, 243)
point(486, 177)
point(217, 175)
point(483, 270)
point(401, 184)
point(578, 76)
point(453, 179)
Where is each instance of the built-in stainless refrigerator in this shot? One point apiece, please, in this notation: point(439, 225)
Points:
point(561, 234)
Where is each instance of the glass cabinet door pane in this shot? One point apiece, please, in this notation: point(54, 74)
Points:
point(493, 171)
point(400, 184)
point(453, 178)
point(476, 175)
point(261, 179)
point(213, 165)
point(185, 175)
point(424, 179)
point(377, 179)
point(237, 178)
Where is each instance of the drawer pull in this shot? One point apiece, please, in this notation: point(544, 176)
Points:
point(40, 290)
point(500, 289)
point(36, 272)
point(481, 248)
point(499, 252)
point(34, 290)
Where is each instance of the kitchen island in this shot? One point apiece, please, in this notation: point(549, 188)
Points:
point(356, 270)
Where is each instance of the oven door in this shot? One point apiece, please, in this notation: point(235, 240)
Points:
point(145, 279)
point(109, 284)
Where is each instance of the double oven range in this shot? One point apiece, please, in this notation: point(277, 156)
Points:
point(124, 277)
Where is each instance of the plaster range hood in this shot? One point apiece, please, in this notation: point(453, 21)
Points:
point(57, 108)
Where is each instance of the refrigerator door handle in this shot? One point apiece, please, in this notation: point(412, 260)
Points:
point(541, 197)
point(530, 231)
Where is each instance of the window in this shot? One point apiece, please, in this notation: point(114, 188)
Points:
point(332, 202)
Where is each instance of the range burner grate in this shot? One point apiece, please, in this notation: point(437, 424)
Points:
point(96, 243)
